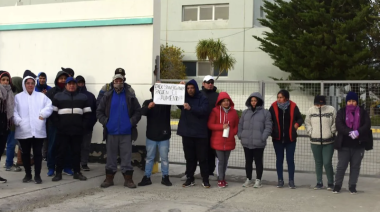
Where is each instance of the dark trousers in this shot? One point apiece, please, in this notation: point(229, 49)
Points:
point(211, 156)
point(63, 142)
point(257, 155)
point(350, 156)
point(51, 154)
point(196, 149)
point(290, 148)
point(26, 146)
point(3, 142)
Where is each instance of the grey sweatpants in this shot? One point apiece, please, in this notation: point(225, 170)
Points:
point(114, 143)
point(345, 156)
point(223, 161)
point(85, 150)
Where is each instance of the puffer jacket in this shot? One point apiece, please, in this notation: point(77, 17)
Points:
point(28, 109)
point(320, 124)
point(217, 118)
point(255, 126)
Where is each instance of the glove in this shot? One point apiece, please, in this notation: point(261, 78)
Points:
point(354, 134)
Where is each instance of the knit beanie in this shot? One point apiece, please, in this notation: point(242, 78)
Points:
point(285, 93)
point(320, 100)
point(352, 96)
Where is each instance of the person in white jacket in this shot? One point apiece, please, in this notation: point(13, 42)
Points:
point(31, 111)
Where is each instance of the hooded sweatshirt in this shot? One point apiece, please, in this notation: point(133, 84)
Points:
point(39, 87)
point(91, 101)
point(28, 109)
point(53, 91)
point(193, 122)
point(220, 116)
point(158, 120)
point(17, 83)
point(212, 97)
point(255, 124)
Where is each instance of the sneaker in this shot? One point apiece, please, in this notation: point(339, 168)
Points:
point(79, 176)
point(280, 184)
point(206, 184)
point(68, 172)
point(57, 177)
point(16, 168)
point(248, 183)
point(2, 180)
point(336, 189)
point(85, 167)
point(225, 183)
point(352, 189)
point(184, 178)
point(8, 168)
point(189, 182)
point(37, 179)
point(145, 181)
point(318, 186)
point(330, 187)
point(165, 181)
point(257, 184)
point(50, 173)
point(212, 177)
point(221, 184)
point(291, 184)
point(27, 178)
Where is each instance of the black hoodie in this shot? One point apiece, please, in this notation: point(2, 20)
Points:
point(212, 96)
point(158, 120)
point(52, 92)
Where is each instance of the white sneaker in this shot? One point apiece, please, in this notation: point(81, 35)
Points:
point(257, 184)
point(184, 178)
point(248, 183)
point(212, 178)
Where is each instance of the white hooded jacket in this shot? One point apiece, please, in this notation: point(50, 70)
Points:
point(28, 109)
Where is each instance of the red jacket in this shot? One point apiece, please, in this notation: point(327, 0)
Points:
point(215, 123)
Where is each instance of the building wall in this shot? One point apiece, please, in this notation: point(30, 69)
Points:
point(48, 39)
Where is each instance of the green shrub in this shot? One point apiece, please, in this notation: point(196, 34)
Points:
point(175, 114)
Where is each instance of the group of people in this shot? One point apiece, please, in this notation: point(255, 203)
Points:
point(63, 118)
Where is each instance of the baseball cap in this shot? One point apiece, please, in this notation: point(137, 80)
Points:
point(70, 79)
point(208, 78)
point(118, 76)
point(120, 71)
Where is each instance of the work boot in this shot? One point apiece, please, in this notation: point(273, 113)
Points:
point(128, 182)
point(109, 179)
point(79, 176)
point(165, 181)
point(57, 177)
point(145, 181)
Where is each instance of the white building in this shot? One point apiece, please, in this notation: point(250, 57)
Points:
point(185, 22)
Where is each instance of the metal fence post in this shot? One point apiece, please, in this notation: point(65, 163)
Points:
point(322, 88)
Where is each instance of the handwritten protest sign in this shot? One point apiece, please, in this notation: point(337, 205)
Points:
point(169, 94)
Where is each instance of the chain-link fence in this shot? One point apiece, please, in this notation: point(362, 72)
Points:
point(302, 93)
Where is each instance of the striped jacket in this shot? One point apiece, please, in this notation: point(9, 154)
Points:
point(71, 112)
point(320, 124)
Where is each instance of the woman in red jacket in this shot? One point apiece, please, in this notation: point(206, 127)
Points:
point(223, 122)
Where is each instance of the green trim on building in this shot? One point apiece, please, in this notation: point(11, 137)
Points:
point(75, 24)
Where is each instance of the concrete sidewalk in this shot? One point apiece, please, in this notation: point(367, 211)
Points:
point(73, 195)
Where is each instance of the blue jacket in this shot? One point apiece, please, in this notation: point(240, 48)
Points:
point(39, 87)
point(193, 122)
point(92, 102)
point(118, 121)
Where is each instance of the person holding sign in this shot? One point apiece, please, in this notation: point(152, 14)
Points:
point(193, 129)
point(158, 133)
point(223, 122)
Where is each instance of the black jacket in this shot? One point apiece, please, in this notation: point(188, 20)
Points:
point(193, 122)
point(343, 139)
point(134, 110)
point(158, 121)
point(283, 123)
point(71, 113)
point(92, 102)
point(53, 91)
point(212, 96)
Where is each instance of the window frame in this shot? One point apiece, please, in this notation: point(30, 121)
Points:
point(199, 9)
point(212, 69)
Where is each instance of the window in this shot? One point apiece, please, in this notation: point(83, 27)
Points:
point(206, 12)
point(201, 68)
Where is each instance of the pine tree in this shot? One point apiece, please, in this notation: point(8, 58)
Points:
point(319, 39)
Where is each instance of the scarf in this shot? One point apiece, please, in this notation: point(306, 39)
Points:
point(7, 102)
point(225, 118)
point(283, 106)
point(118, 87)
point(353, 117)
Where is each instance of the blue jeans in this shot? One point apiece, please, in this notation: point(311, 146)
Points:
point(11, 144)
point(290, 148)
point(163, 148)
point(52, 132)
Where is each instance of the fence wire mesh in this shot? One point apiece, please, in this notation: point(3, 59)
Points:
point(302, 93)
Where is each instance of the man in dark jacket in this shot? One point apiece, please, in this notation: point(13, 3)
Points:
point(41, 83)
point(119, 111)
point(59, 83)
point(109, 86)
point(71, 115)
point(87, 134)
point(194, 131)
point(158, 133)
point(209, 90)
